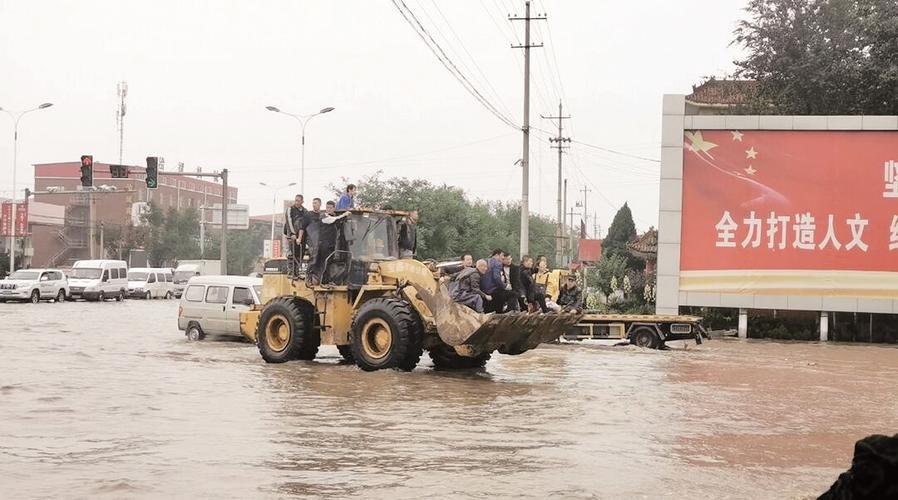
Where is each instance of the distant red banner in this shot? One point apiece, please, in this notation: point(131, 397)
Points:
point(788, 202)
point(6, 219)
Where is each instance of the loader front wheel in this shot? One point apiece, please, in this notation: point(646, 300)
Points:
point(284, 332)
point(386, 333)
point(346, 352)
point(445, 358)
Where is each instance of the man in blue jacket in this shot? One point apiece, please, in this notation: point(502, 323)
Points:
point(347, 201)
point(492, 284)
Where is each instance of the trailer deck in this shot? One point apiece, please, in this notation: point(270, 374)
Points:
point(644, 330)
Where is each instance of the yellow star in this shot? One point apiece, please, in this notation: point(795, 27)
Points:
point(751, 153)
point(750, 170)
point(737, 136)
point(699, 144)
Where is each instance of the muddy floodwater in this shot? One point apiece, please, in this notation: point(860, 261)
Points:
point(110, 401)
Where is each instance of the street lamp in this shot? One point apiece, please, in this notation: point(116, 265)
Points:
point(274, 208)
point(303, 120)
point(15, 151)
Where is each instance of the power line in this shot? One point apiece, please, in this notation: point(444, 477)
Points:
point(444, 59)
point(609, 150)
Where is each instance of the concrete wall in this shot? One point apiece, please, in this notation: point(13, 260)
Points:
point(674, 122)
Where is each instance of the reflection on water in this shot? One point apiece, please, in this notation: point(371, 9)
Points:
point(133, 410)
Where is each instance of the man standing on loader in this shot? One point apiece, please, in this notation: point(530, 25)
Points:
point(294, 221)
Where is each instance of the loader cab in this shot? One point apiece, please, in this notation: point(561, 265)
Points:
point(367, 236)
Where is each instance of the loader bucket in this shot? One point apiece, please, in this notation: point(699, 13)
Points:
point(510, 333)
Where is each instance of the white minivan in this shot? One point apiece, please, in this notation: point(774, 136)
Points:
point(211, 305)
point(99, 279)
point(150, 283)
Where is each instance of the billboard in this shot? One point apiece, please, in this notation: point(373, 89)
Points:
point(790, 212)
point(21, 222)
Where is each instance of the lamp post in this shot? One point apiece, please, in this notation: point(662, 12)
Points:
point(15, 152)
point(303, 121)
point(274, 208)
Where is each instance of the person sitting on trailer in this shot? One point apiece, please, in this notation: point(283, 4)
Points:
point(570, 298)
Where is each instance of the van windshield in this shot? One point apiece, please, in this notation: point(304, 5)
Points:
point(24, 275)
point(86, 273)
point(183, 276)
point(132, 276)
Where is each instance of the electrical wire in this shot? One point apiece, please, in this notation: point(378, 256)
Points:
point(450, 66)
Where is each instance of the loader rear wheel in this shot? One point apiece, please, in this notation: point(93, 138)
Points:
point(386, 333)
point(284, 332)
point(445, 358)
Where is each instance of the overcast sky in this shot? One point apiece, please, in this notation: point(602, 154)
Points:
point(201, 73)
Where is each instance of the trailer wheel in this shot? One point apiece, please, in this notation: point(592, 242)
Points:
point(284, 332)
point(645, 337)
point(445, 358)
point(386, 333)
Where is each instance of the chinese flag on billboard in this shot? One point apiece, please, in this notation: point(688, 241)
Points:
point(790, 212)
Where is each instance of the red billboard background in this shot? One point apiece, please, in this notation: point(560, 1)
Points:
point(789, 201)
point(6, 219)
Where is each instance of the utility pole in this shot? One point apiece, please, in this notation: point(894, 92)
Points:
point(572, 214)
point(584, 190)
point(120, 118)
point(564, 225)
point(225, 199)
point(525, 158)
point(92, 222)
point(102, 251)
point(596, 233)
point(559, 141)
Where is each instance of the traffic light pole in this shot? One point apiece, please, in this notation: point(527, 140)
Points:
point(223, 175)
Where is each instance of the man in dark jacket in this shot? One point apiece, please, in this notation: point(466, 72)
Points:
point(408, 236)
point(570, 299)
point(294, 221)
point(492, 283)
point(528, 288)
point(327, 240)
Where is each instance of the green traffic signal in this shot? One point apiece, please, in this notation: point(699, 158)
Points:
point(152, 172)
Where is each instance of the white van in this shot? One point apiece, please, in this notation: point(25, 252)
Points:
point(211, 305)
point(150, 283)
point(99, 280)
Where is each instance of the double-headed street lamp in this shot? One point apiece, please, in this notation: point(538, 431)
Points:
point(274, 208)
point(15, 151)
point(303, 120)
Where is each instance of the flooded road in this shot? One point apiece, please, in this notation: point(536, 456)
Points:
point(109, 401)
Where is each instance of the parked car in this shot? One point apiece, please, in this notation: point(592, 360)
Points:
point(211, 305)
point(35, 285)
point(99, 280)
point(150, 283)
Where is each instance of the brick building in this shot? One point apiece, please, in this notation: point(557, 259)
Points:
point(58, 245)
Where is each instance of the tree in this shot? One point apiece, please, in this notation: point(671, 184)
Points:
point(621, 232)
point(450, 224)
point(821, 56)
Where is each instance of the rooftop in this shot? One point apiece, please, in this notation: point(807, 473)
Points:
point(722, 93)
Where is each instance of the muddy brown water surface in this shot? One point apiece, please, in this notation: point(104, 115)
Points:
point(110, 401)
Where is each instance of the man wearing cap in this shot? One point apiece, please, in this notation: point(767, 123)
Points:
point(570, 298)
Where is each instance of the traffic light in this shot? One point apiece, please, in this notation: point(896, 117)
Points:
point(87, 170)
point(152, 172)
point(118, 171)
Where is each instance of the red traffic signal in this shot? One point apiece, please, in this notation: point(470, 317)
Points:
point(87, 170)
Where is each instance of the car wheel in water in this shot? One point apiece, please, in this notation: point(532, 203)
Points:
point(167, 295)
point(148, 295)
point(194, 333)
point(35, 297)
point(101, 297)
point(60, 297)
point(120, 297)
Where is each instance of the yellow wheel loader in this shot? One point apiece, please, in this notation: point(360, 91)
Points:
point(381, 311)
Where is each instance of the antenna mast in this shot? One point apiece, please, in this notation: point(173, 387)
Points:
point(120, 118)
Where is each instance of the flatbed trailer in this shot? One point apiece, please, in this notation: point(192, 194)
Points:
point(650, 331)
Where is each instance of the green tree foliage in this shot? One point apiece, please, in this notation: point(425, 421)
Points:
point(450, 224)
point(621, 232)
point(173, 235)
point(821, 56)
point(609, 269)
